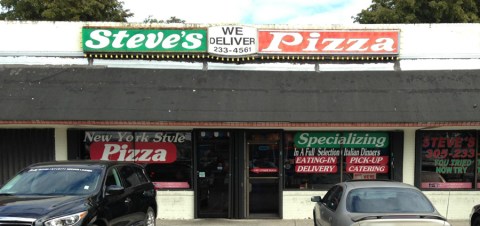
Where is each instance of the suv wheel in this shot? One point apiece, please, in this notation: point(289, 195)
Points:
point(150, 217)
point(476, 221)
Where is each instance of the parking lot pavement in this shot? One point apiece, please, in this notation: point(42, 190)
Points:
point(228, 222)
point(459, 222)
point(241, 222)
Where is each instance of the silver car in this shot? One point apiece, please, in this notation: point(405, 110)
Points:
point(369, 203)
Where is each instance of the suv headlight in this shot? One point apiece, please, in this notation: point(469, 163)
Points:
point(66, 220)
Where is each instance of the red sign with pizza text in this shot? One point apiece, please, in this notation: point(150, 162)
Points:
point(144, 152)
point(328, 42)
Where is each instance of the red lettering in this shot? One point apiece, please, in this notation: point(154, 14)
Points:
point(353, 42)
point(315, 168)
point(471, 142)
point(145, 152)
point(367, 160)
point(367, 169)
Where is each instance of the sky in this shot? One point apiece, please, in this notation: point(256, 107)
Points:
point(302, 12)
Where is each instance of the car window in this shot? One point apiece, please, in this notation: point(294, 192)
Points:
point(332, 198)
point(113, 178)
point(130, 176)
point(329, 194)
point(141, 174)
point(388, 200)
point(53, 180)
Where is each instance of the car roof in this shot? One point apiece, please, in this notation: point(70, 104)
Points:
point(353, 184)
point(81, 163)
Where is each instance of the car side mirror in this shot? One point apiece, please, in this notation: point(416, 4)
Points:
point(316, 199)
point(115, 190)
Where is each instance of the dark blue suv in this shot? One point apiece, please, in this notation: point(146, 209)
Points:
point(79, 193)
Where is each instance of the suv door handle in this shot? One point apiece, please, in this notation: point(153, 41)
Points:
point(127, 200)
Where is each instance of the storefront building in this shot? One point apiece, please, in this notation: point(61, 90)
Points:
point(248, 121)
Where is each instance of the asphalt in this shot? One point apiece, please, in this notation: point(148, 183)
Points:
point(221, 222)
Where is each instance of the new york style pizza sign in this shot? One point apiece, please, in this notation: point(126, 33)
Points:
point(143, 152)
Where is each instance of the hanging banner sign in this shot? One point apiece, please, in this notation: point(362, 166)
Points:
point(143, 40)
point(232, 40)
point(328, 42)
point(144, 152)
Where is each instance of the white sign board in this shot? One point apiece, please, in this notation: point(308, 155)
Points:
point(232, 40)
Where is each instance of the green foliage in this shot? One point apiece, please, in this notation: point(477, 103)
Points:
point(64, 10)
point(172, 20)
point(420, 11)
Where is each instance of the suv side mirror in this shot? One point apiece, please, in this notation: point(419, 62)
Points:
point(115, 190)
point(316, 199)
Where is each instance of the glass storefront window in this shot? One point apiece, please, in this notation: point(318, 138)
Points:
point(318, 160)
point(448, 159)
point(166, 155)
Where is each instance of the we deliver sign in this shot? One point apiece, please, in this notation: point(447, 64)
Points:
point(328, 42)
point(144, 152)
point(232, 40)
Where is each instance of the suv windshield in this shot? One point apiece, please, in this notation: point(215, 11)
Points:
point(387, 200)
point(54, 181)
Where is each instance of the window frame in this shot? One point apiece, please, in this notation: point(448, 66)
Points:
point(419, 135)
point(394, 149)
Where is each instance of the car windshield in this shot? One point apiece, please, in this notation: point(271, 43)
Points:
point(54, 181)
point(387, 200)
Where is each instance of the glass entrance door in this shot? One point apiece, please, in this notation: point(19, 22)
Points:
point(237, 174)
point(214, 156)
point(263, 176)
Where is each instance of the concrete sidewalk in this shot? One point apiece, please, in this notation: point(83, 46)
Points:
point(248, 222)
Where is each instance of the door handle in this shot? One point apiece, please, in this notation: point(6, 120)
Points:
point(127, 200)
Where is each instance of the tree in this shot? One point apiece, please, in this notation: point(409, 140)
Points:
point(420, 11)
point(64, 10)
point(172, 20)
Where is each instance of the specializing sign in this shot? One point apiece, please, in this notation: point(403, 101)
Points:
point(144, 152)
point(232, 40)
point(329, 42)
point(143, 40)
point(336, 140)
point(356, 152)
